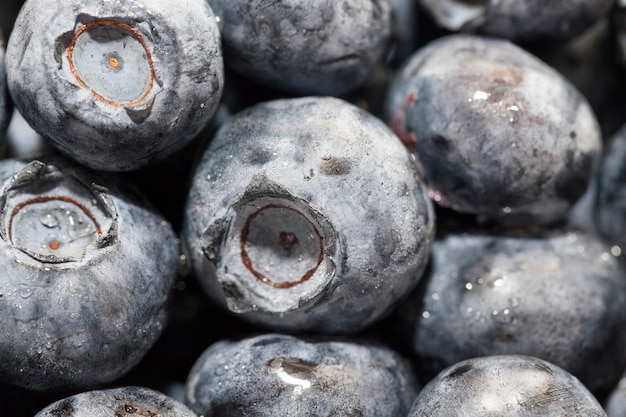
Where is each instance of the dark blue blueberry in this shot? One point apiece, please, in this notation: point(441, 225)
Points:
point(560, 297)
point(511, 386)
point(116, 85)
point(610, 202)
point(275, 375)
point(499, 134)
point(87, 272)
point(307, 214)
point(5, 103)
point(117, 402)
point(322, 47)
point(528, 20)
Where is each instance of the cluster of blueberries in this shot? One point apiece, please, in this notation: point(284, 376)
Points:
point(403, 208)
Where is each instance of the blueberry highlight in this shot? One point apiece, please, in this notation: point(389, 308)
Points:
point(89, 267)
point(507, 385)
point(116, 86)
point(117, 402)
point(308, 215)
point(499, 134)
point(277, 375)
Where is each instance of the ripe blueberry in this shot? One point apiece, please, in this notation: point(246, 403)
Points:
point(276, 375)
point(305, 47)
point(558, 297)
point(528, 20)
point(499, 133)
point(512, 386)
point(117, 402)
point(307, 214)
point(88, 269)
point(116, 85)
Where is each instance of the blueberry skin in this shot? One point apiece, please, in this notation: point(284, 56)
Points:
point(5, 104)
point(304, 47)
point(277, 375)
point(507, 385)
point(521, 21)
point(499, 133)
point(610, 197)
point(155, 84)
point(615, 403)
point(118, 402)
point(558, 297)
point(307, 214)
point(82, 309)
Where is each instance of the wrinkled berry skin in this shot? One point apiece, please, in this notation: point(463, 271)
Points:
point(87, 272)
point(512, 386)
point(322, 47)
point(610, 197)
point(528, 20)
point(308, 215)
point(499, 133)
point(150, 83)
point(117, 402)
point(275, 375)
point(5, 113)
point(558, 297)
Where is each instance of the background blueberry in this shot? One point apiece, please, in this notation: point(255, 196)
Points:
point(116, 85)
point(5, 103)
point(88, 268)
point(509, 386)
point(322, 47)
point(528, 20)
point(610, 199)
point(559, 296)
point(276, 375)
point(117, 402)
point(499, 134)
point(307, 214)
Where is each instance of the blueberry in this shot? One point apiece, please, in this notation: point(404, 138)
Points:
point(116, 85)
point(88, 267)
point(305, 47)
point(499, 134)
point(117, 402)
point(307, 214)
point(615, 404)
point(5, 104)
point(509, 386)
point(558, 296)
point(529, 20)
point(277, 375)
point(610, 200)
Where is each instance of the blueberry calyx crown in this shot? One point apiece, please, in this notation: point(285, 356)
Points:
point(55, 216)
point(112, 59)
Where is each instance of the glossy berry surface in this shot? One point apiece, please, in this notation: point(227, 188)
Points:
point(322, 227)
point(277, 375)
point(116, 85)
point(305, 47)
point(557, 296)
point(117, 402)
point(512, 386)
point(499, 134)
point(82, 294)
